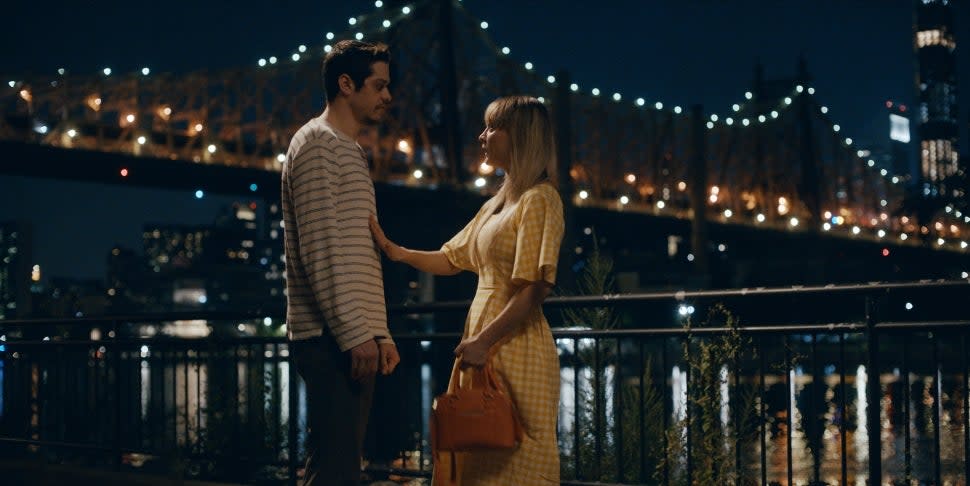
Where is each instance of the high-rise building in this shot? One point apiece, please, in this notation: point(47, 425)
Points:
point(936, 82)
point(16, 271)
point(899, 142)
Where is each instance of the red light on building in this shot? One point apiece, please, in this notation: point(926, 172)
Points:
point(252, 206)
point(885, 252)
point(124, 172)
point(902, 108)
point(889, 104)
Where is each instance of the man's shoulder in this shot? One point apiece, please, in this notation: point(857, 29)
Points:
point(315, 132)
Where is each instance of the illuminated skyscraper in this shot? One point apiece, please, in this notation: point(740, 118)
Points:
point(936, 82)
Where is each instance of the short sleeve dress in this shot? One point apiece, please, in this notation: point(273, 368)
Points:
point(517, 246)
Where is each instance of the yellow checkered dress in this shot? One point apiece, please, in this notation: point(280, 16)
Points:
point(518, 245)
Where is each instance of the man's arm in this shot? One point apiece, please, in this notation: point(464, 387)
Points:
point(334, 250)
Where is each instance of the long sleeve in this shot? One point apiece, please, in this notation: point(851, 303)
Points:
point(332, 197)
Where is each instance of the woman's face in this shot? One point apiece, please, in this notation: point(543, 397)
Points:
point(495, 145)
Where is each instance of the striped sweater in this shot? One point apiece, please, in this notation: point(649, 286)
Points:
point(333, 270)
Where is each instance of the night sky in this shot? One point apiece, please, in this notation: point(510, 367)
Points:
point(679, 52)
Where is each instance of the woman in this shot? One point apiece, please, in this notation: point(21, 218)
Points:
point(513, 246)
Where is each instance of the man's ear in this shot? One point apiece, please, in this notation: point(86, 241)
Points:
point(347, 86)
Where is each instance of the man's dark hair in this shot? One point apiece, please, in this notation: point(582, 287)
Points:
point(353, 58)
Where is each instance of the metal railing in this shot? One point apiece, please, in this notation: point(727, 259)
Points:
point(802, 385)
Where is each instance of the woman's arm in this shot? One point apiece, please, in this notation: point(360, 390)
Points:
point(474, 350)
point(434, 262)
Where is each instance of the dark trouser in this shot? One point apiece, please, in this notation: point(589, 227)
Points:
point(337, 410)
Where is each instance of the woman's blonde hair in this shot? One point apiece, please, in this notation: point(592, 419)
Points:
point(532, 144)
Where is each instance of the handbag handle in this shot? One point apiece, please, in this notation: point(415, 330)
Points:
point(483, 376)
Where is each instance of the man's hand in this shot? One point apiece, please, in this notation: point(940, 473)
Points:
point(363, 360)
point(389, 357)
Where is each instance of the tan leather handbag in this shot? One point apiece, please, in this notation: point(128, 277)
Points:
point(476, 418)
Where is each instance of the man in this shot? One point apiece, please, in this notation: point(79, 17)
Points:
point(336, 316)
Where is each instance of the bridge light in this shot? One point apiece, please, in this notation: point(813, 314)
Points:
point(774, 114)
point(262, 63)
point(72, 133)
point(659, 105)
point(746, 122)
point(272, 59)
point(11, 83)
point(736, 107)
point(793, 222)
point(963, 245)
point(940, 242)
point(417, 173)
point(799, 88)
point(145, 71)
point(406, 10)
point(682, 186)
point(352, 21)
point(903, 236)
point(404, 146)
point(881, 233)
point(281, 158)
point(574, 87)
point(329, 35)
point(480, 182)
point(884, 172)
point(748, 95)
point(583, 194)
point(624, 200)
point(130, 118)
point(729, 121)
point(378, 4)
point(528, 66)
point(211, 149)
point(617, 97)
point(965, 275)
point(386, 23)
point(26, 95)
point(826, 226)
point(856, 230)
point(61, 71)
point(106, 71)
point(359, 36)
point(762, 118)
point(836, 128)
point(787, 100)
point(506, 51)
point(551, 79)
point(728, 213)
point(895, 180)
point(760, 218)
point(327, 48)
point(484, 25)
point(485, 169)
point(824, 109)
point(302, 48)
point(199, 194)
point(690, 257)
point(811, 90)
point(848, 141)
point(677, 110)
point(595, 91)
point(198, 127)
point(909, 306)
point(710, 124)
point(661, 204)
point(295, 57)
point(142, 140)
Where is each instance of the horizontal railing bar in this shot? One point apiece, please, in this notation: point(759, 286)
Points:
point(554, 302)
point(828, 328)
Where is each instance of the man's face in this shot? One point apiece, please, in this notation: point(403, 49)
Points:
point(371, 101)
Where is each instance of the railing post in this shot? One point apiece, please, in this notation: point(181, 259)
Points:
point(116, 357)
point(294, 393)
point(873, 394)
